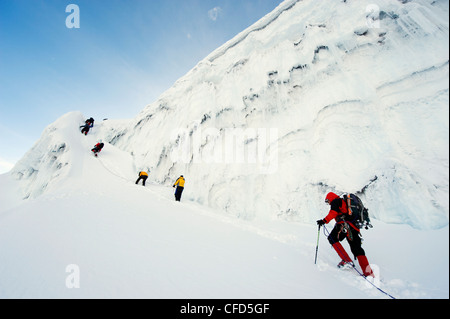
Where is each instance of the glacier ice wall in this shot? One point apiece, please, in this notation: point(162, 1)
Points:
point(317, 96)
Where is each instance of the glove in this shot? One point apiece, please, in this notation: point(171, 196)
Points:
point(321, 222)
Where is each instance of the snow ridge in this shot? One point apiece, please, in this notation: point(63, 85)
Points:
point(258, 26)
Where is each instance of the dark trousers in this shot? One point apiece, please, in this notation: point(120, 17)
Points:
point(143, 177)
point(338, 234)
point(178, 193)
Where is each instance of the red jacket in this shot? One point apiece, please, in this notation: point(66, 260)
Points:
point(339, 210)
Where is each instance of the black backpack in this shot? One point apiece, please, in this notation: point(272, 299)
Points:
point(359, 215)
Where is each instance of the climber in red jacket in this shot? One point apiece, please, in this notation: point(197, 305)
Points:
point(344, 228)
point(98, 148)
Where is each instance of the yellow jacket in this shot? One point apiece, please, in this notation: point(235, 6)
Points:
point(143, 174)
point(180, 182)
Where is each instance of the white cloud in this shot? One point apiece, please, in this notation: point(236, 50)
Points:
point(213, 14)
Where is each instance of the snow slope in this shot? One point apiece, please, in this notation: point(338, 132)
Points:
point(130, 241)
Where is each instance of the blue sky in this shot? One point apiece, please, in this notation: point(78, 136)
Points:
point(124, 54)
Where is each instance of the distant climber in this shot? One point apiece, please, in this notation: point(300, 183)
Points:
point(98, 148)
point(142, 176)
point(90, 122)
point(85, 129)
point(345, 228)
point(179, 184)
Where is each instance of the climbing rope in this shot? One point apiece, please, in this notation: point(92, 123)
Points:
point(101, 162)
point(327, 233)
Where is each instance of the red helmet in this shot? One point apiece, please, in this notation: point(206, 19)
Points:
point(330, 197)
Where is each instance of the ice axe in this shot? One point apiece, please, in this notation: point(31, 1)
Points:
point(317, 245)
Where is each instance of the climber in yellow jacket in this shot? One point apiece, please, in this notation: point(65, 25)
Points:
point(142, 176)
point(179, 184)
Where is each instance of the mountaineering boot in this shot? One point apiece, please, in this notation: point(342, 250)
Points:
point(345, 264)
point(342, 253)
point(364, 263)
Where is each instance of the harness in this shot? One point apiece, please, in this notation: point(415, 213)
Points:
point(345, 227)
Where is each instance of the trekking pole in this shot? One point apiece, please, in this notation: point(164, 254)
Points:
point(317, 246)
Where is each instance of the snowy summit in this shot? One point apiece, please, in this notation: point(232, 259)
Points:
point(316, 97)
